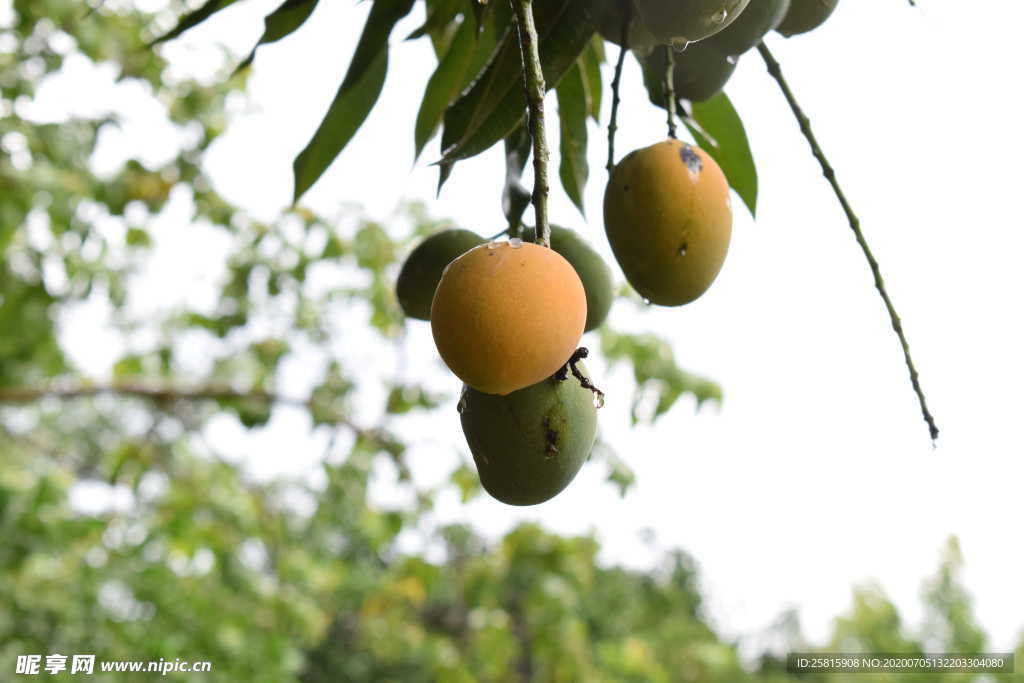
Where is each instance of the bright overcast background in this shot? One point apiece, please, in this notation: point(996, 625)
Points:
point(817, 472)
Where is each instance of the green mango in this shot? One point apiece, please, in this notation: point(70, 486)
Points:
point(674, 22)
point(700, 73)
point(422, 270)
point(760, 17)
point(806, 15)
point(593, 271)
point(528, 445)
point(610, 28)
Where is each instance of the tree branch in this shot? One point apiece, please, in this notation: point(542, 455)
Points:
point(805, 127)
point(170, 394)
point(533, 76)
point(613, 127)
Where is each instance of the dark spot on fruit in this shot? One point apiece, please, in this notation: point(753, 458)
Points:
point(691, 159)
point(626, 187)
point(550, 439)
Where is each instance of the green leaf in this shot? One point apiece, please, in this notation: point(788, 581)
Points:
point(721, 134)
point(515, 198)
point(496, 103)
point(281, 23)
point(194, 18)
point(572, 113)
point(356, 96)
point(590, 64)
point(440, 13)
point(465, 57)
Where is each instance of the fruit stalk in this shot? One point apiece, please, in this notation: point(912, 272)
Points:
point(533, 77)
point(627, 19)
point(670, 89)
point(830, 175)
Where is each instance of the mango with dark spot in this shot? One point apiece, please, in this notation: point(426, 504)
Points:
point(593, 271)
point(529, 445)
point(422, 270)
point(806, 15)
point(683, 21)
point(668, 217)
point(760, 17)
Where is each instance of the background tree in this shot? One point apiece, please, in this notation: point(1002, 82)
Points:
point(190, 555)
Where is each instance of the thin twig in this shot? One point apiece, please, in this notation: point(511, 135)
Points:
point(534, 78)
point(805, 127)
point(670, 89)
point(627, 19)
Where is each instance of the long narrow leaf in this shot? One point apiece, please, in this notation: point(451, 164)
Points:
point(194, 18)
point(496, 103)
point(721, 133)
point(281, 23)
point(572, 114)
point(464, 59)
point(356, 96)
point(515, 198)
point(590, 63)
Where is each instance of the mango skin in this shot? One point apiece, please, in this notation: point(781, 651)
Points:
point(506, 317)
point(593, 271)
point(610, 28)
point(528, 446)
point(668, 217)
point(687, 20)
point(760, 17)
point(422, 269)
point(699, 74)
point(806, 15)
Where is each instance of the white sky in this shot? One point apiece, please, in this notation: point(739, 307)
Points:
point(817, 473)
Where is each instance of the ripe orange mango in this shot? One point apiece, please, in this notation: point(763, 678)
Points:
point(507, 315)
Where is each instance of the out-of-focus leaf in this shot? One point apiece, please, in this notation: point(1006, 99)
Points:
point(720, 132)
point(515, 198)
point(467, 481)
point(572, 114)
point(465, 57)
point(281, 23)
point(356, 96)
point(657, 375)
point(496, 103)
point(194, 18)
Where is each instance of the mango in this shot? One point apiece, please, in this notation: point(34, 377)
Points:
point(422, 270)
point(529, 445)
point(507, 315)
point(760, 17)
point(678, 22)
point(806, 15)
point(593, 271)
point(668, 217)
point(610, 28)
point(699, 74)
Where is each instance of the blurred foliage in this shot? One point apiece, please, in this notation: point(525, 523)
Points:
point(128, 533)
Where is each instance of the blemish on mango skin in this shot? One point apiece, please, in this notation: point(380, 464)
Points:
point(691, 159)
